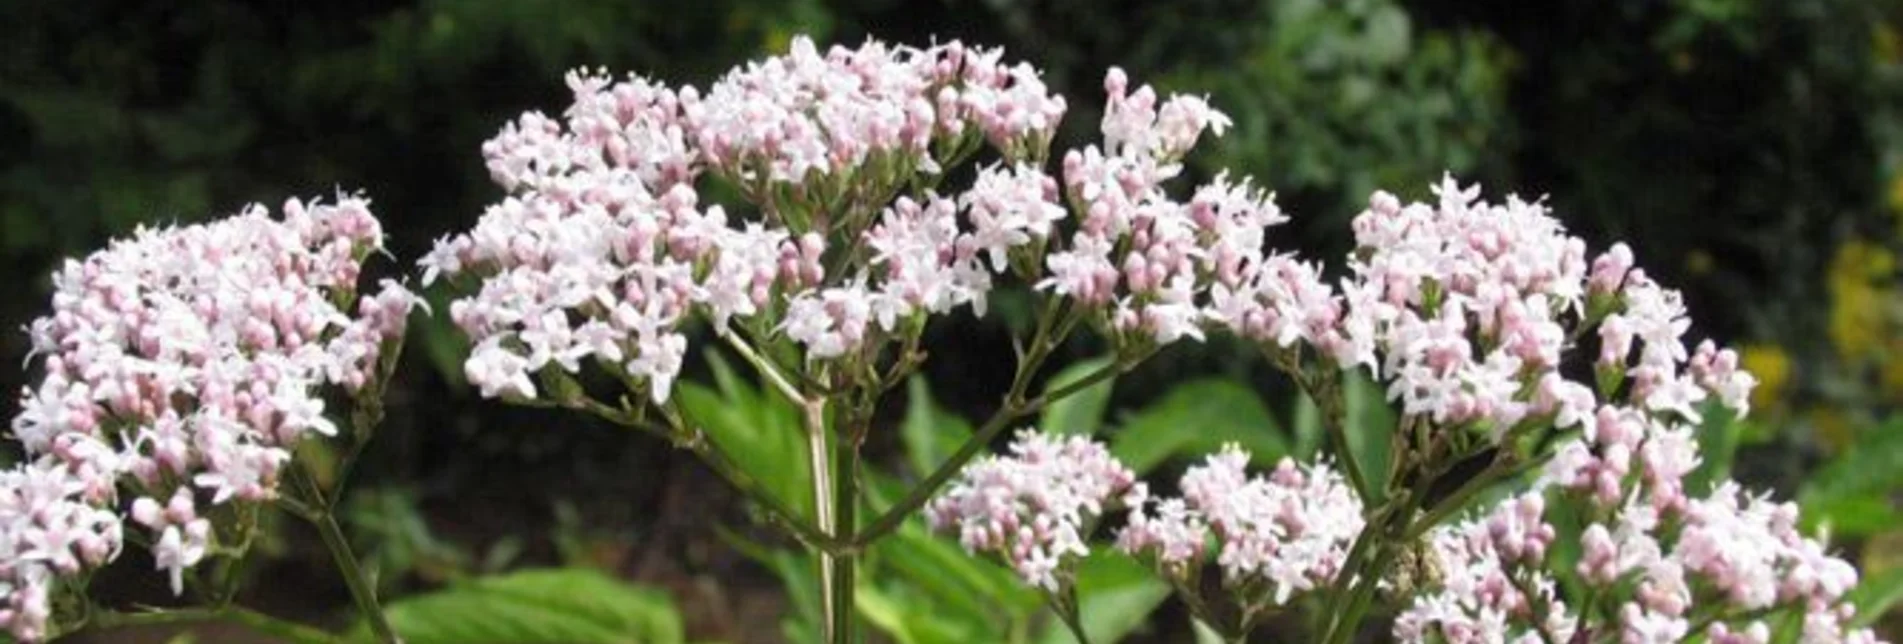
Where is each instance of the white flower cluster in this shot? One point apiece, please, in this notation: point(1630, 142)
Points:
point(48, 528)
point(184, 364)
point(1034, 508)
point(1727, 568)
point(1464, 309)
point(1149, 258)
point(1289, 531)
point(1474, 307)
point(1485, 592)
point(604, 250)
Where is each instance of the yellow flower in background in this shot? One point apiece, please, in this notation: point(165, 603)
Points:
point(1896, 196)
point(1891, 370)
point(1884, 41)
point(1772, 365)
point(1859, 285)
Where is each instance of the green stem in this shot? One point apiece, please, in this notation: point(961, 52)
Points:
point(762, 365)
point(687, 435)
point(817, 435)
point(845, 502)
point(1324, 390)
point(1064, 605)
point(1383, 537)
point(1455, 502)
point(264, 624)
point(361, 590)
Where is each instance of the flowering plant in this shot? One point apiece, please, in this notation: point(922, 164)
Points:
point(850, 240)
point(813, 212)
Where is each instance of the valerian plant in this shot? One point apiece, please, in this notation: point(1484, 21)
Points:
point(813, 212)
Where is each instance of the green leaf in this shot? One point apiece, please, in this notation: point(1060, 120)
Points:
point(974, 587)
point(558, 605)
point(930, 433)
point(1308, 428)
point(1876, 596)
point(444, 345)
point(1196, 418)
point(1081, 412)
point(799, 575)
point(728, 382)
point(1718, 438)
point(1856, 516)
point(1852, 492)
point(1116, 596)
point(1369, 424)
point(1204, 634)
point(912, 620)
point(755, 429)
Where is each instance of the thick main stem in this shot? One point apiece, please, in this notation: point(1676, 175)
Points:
point(823, 497)
point(845, 502)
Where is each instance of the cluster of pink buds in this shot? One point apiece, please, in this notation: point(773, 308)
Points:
point(185, 364)
point(49, 527)
point(1145, 258)
point(1485, 590)
point(1728, 568)
point(1288, 532)
point(1034, 508)
point(1473, 308)
point(806, 115)
point(605, 250)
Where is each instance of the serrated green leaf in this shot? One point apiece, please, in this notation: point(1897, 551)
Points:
point(1197, 418)
point(1081, 412)
point(755, 430)
point(561, 605)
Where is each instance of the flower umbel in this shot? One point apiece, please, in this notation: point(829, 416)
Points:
point(183, 366)
point(1034, 509)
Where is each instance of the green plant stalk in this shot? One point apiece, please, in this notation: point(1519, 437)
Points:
point(361, 590)
point(814, 417)
point(685, 433)
point(264, 624)
point(1325, 391)
point(324, 517)
point(1496, 471)
point(1065, 605)
point(845, 502)
point(1384, 537)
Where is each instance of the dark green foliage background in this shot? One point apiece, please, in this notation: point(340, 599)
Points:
point(1733, 143)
